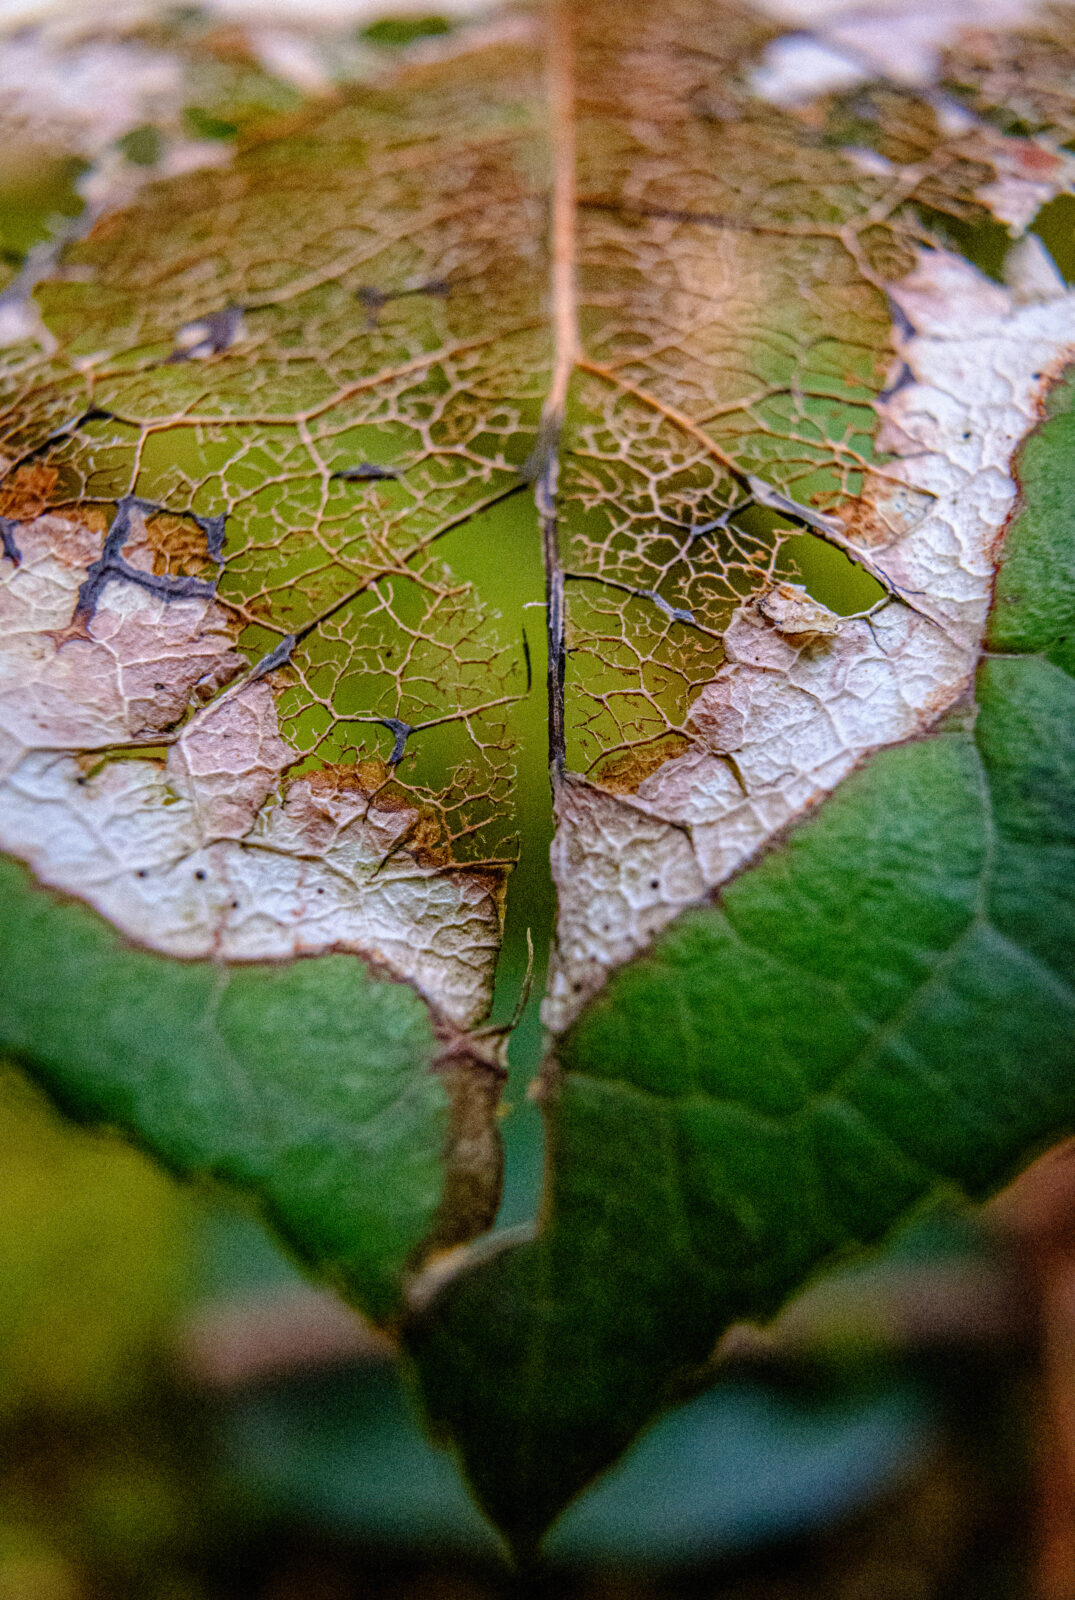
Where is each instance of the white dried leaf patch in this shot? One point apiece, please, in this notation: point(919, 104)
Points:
point(207, 852)
point(897, 39)
point(794, 708)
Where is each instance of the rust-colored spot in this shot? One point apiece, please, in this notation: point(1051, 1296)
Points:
point(426, 843)
point(493, 879)
point(426, 840)
point(622, 774)
point(229, 43)
point(178, 546)
point(370, 777)
point(28, 491)
point(886, 511)
point(1032, 159)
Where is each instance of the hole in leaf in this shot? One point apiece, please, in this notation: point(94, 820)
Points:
point(831, 577)
point(1055, 227)
point(394, 32)
point(983, 241)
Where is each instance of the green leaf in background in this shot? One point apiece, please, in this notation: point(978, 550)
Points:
point(95, 1262)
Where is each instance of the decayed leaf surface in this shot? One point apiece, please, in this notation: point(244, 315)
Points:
point(218, 585)
point(883, 1009)
point(705, 301)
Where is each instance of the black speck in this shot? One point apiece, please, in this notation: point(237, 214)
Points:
point(654, 883)
point(365, 472)
point(199, 873)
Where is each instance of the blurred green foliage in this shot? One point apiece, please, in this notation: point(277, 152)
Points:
point(38, 191)
point(95, 1260)
point(119, 1479)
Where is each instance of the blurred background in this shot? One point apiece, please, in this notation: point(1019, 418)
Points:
point(183, 1418)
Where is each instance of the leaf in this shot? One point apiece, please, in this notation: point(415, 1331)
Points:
point(307, 1085)
point(200, 600)
point(711, 301)
point(880, 1011)
point(774, 1081)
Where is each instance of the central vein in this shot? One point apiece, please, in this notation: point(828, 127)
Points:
point(566, 349)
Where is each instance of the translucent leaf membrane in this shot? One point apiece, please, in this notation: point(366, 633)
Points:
point(735, 322)
point(332, 355)
point(726, 331)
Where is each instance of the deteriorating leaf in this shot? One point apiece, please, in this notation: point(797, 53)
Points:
point(246, 711)
point(736, 362)
point(331, 617)
point(185, 854)
point(752, 328)
point(882, 1007)
point(794, 387)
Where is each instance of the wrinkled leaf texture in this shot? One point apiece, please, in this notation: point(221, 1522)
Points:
point(583, 263)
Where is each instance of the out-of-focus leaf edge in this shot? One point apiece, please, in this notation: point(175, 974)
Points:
point(308, 1086)
point(880, 1010)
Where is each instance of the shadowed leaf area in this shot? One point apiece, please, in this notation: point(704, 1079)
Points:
point(572, 318)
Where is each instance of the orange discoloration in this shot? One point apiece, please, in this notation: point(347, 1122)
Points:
point(369, 778)
point(622, 774)
point(178, 546)
point(28, 491)
point(230, 43)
